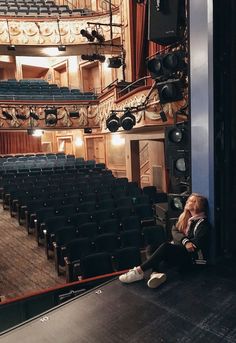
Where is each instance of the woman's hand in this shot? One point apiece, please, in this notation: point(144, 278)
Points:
point(190, 246)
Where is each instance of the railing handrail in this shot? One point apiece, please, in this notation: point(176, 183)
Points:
point(144, 78)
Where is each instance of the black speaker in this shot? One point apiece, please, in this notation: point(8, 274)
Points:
point(176, 141)
point(166, 21)
point(177, 156)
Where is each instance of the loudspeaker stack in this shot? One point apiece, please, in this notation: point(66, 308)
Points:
point(166, 21)
point(177, 154)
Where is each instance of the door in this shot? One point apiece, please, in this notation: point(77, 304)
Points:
point(95, 149)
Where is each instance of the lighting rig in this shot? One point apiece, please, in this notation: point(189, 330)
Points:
point(127, 121)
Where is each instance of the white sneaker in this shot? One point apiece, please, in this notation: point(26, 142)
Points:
point(156, 279)
point(131, 276)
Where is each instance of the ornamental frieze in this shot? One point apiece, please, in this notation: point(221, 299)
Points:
point(29, 116)
point(49, 32)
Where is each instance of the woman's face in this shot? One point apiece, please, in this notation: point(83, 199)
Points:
point(191, 204)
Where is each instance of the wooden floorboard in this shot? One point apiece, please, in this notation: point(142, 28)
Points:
point(23, 264)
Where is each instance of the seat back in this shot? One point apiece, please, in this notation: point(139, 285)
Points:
point(96, 264)
point(127, 257)
point(106, 242)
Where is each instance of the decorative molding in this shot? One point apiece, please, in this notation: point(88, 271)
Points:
point(87, 116)
point(54, 31)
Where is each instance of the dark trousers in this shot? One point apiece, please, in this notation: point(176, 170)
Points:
point(172, 254)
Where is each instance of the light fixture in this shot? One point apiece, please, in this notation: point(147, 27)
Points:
point(21, 116)
point(166, 64)
point(93, 57)
point(11, 47)
point(98, 36)
point(50, 116)
point(78, 141)
point(74, 114)
point(61, 48)
point(86, 34)
point(87, 130)
point(113, 122)
point(37, 133)
point(170, 90)
point(127, 120)
point(33, 115)
point(7, 115)
point(100, 58)
point(114, 62)
point(117, 140)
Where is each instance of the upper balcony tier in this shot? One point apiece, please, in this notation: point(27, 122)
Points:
point(40, 90)
point(30, 35)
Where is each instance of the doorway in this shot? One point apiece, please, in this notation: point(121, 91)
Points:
point(65, 144)
point(95, 149)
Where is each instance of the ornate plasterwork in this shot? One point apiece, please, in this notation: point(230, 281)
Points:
point(146, 110)
point(54, 31)
point(87, 116)
point(149, 112)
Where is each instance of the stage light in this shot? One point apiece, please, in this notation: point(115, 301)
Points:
point(21, 116)
point(11, 47)
point(127, 120)
point(86, 34)
point(50, 116)
point(114, 62)
point(34, 115)
point(88, 130)
point(169, 91)
point(93, 57)
point(37, 133)
point(98, 36)
point(154, 66)
point(100, 58)
point(166, 64)
point(74, 114)
point(87, 57)
point(113, 122)
point(61, 48)
point(7, 115)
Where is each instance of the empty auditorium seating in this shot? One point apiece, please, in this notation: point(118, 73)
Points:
point(76, 214)
point(96, 264)
point(39, 8)
point(28, 89)
point(74, 251)
point(127, 257)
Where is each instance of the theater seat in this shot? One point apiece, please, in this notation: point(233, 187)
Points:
point(96, 264)
point(127, 257)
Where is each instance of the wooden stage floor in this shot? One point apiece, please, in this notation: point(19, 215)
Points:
point(196, 308)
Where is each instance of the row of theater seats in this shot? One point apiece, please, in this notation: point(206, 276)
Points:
point(105, 215)
point(38, 8)
point(40, 89)
point(52, 180)
point(47, 162)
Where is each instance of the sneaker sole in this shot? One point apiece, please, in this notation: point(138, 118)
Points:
point(156, 282)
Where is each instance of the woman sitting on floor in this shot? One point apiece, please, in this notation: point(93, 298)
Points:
point(190, 243)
